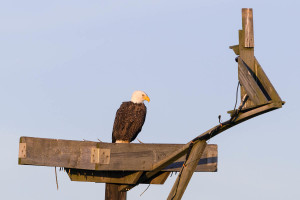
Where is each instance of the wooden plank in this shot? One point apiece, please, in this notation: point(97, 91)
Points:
point(117, 177)
point(250, 84)
point(245, 49)
point(122, 157)
point(159, 179)
point(266, 83)
point(185, 175)
point(258, 111)
point(131, 177)
point(247, 55)
point(236, 49)
point(247, 21)
point(60, 153)
point(232, 112)
point(208, 162)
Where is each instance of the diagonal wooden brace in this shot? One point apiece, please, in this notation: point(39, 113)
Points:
point(251, 84)
point(187, 171)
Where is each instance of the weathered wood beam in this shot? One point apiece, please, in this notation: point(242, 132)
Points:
point(247, 21)
point(187, 171)
point(266, 83)
point(116, 177)
point(250, 83)
point(106, 156)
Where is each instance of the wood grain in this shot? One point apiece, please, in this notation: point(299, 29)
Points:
point(250, 84)
point(247, 21)
point(186, 173)
point(117, 157)
point(266, 83)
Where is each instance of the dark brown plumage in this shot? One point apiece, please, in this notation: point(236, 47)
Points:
point(129, 120)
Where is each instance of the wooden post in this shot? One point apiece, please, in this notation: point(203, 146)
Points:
point(246, 46)
point(187, 171)
point(112, 192)
point(247, 23)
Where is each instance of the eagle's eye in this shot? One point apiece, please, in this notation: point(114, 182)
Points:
point(143, 95)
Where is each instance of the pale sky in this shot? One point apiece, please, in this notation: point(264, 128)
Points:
point(66, 66)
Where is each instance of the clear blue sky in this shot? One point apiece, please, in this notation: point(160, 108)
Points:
point(66, 66)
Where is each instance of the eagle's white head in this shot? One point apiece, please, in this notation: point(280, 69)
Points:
point(139, 97)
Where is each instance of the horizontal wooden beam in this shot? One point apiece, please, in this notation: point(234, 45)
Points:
point(107, 156)
point(117, 177)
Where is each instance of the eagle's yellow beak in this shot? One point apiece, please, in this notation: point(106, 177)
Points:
point(147, 98)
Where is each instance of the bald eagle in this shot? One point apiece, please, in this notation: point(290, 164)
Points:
point(130, 118)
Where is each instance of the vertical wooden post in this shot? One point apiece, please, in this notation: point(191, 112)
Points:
point(187, 171)
point(246, 46)
point(247, 23)
point(112, 192)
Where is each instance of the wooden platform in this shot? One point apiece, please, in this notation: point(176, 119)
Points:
point(106, 156)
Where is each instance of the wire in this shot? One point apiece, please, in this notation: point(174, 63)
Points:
point(179, 176)
point(236, 95)
point(145, 190)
